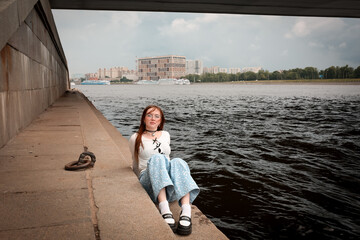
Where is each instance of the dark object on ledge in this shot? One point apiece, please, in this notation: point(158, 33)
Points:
point(86, 159)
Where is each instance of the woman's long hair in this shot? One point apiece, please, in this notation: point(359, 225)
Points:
point(142, 128)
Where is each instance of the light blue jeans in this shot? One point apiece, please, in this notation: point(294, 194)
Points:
point(174, 175)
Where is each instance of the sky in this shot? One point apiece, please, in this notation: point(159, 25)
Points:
point(105, 39)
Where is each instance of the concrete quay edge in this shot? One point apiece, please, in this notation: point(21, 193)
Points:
point(42, 200)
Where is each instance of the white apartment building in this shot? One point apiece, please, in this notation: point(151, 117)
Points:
point(194, 67)
point(114, 72)
point(223, 70)
point(101, 73)
point(251, 69)
point(217, 69)
point(214, 69)
point(234, 70)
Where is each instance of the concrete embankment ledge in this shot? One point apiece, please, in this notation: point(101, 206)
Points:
point(40, 200)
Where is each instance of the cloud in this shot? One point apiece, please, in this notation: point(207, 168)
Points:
point(306, 26)
point(288, 35)
point(181, 25)
point(342, 45)
point(128, 19)
point(315, 44)
point(301, 29)
point(91, 26)
point(284, 52)
point(254, 46)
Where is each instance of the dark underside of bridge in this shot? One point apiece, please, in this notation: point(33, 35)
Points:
point(318, 8)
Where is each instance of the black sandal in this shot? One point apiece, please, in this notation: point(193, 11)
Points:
point(171, 225)
point(184, 230)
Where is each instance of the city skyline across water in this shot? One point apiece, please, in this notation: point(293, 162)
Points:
point(192, 67)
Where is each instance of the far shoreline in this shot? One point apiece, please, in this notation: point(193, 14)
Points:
point(280, 82)
point(293, 82)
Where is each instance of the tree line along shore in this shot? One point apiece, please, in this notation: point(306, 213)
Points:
point(331, 74)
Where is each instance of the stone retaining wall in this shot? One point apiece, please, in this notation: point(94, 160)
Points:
point(33, 69)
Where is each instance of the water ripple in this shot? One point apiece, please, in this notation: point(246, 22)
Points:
point(272, 162)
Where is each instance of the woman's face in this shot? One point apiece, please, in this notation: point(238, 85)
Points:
point(152, 119)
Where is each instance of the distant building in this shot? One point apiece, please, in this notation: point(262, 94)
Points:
point(154, 68)
point(114, 72)
point(223, 70)
point(234, 70)
point(131, 76)
point(215, 69)
point(91, 76)
point(251, 69)
point(101, 73)
point(194, 67)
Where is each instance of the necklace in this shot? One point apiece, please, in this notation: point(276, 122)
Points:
point(152, 132)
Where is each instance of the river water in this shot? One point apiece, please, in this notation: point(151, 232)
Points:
point(272, 161)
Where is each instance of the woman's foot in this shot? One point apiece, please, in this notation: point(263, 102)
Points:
point(184, 225)
point(169, 219)
point(167, 215)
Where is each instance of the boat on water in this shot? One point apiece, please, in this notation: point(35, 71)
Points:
point(95, 82)
point(182, 81)
point(165, 81)
point(146, 82)
point(186, 82)
point(179, 82)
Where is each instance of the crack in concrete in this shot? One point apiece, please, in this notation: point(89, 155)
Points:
point(93, 207)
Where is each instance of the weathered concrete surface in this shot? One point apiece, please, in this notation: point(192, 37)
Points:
point(42, 200)
point(39, 199)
